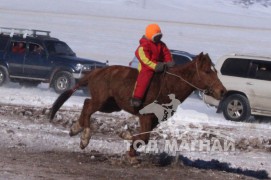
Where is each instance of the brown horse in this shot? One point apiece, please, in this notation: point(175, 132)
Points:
point(111, 89)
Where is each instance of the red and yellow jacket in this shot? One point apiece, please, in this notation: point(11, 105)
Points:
point(150, 53)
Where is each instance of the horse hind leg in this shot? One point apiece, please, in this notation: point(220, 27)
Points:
point(109, 106)
point(83, 123)
point(77, 127)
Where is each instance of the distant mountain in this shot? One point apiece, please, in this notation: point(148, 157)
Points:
point(248, 3)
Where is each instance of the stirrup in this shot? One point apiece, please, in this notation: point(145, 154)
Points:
point(135, 102)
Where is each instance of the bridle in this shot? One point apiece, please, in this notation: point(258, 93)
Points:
point(209, 90)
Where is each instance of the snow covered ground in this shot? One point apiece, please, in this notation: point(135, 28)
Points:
point(110, 30)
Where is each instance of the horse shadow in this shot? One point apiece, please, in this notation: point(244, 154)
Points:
point(164, 159)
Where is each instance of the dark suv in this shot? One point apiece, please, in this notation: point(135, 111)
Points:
point(33, 56)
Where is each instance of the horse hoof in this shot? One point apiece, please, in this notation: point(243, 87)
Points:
point(133, 161)
point(85, 137)
point(83, 145)
point(75, 129)
point(132, 158)
point(126, 135)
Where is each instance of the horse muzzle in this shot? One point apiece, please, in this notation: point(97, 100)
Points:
point(218, 92)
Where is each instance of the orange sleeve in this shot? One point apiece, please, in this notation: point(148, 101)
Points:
point(143, 57)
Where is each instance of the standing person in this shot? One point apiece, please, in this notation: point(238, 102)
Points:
point(153, 56)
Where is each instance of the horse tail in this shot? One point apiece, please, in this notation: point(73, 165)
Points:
point(66, 95)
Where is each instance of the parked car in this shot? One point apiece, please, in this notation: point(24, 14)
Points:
point(33, 56)
point(248, 82)
point(179, 57)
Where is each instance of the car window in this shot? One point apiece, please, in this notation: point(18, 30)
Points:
point(179, 59)
point(3, 43)
point(18, 47)
point(58, 47)
point(235, 67)
point(35, 48)
point(262, 70)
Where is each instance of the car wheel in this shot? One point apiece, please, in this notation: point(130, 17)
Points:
point(63, 81)
point(236, 108)
point(3, 76)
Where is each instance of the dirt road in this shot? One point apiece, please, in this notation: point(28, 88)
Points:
point(20, 164)
point(33, 148)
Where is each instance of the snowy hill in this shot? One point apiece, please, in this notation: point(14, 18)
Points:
point(110, 29)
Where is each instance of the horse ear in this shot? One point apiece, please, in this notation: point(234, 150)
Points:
point(208, 57)
point(202, 59)
point(205, 61)
point(200, 56)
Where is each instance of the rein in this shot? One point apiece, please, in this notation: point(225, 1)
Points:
point(190, 84)
point(205, 91)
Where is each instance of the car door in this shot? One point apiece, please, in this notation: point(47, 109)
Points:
point(260, 85)
point(234, 74)
point(15, 57)
point(36, 64)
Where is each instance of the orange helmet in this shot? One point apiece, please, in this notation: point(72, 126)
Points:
point(152, 30)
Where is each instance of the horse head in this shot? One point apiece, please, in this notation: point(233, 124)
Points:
point(206, 78)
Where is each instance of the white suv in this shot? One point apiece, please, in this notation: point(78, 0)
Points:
point(248, 82)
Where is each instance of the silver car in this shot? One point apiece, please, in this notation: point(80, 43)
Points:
point(248, 82)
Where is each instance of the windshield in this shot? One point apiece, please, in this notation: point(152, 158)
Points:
point(59, 48)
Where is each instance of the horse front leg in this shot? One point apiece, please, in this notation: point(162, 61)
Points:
point(147, 124)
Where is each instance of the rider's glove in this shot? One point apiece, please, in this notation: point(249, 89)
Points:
point(160, 67)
